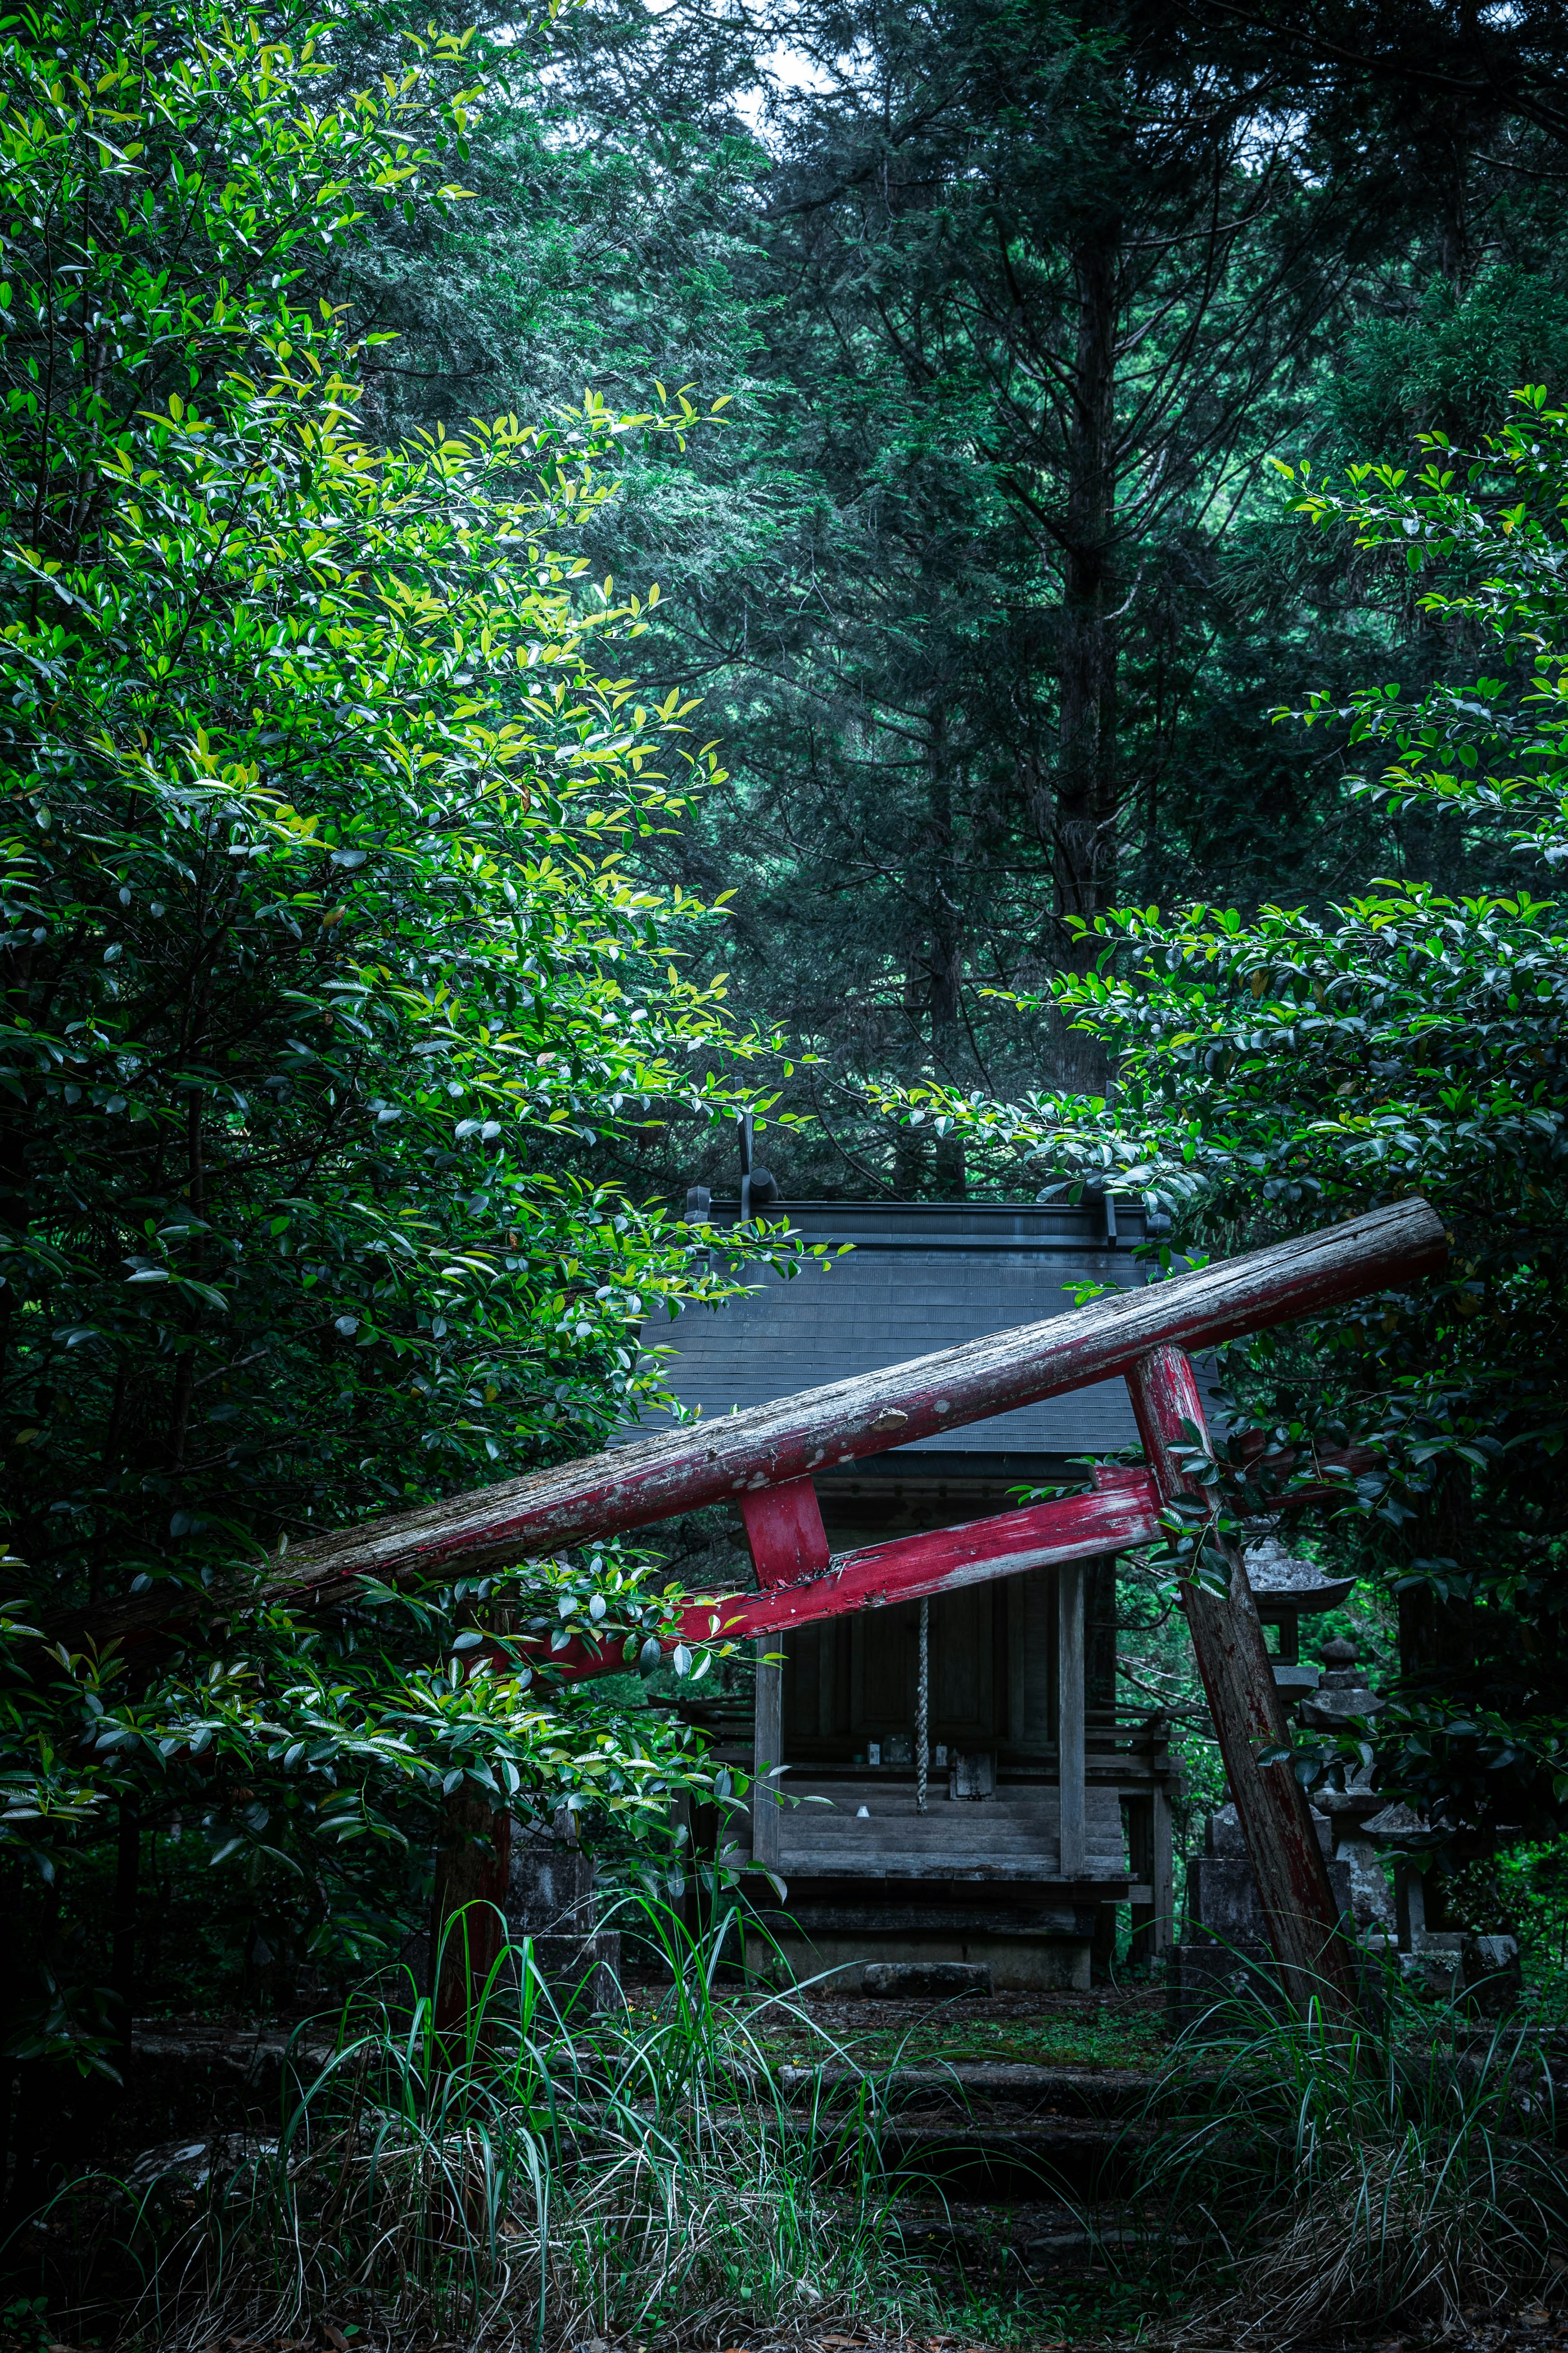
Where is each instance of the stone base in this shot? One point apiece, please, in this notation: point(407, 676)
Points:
point(1481, 1973)
point(1201, 1977)
point(550, 1885)
point(1494, 1982)
point(1224, 1902)
point(924, 1980)
point(1018, 1964)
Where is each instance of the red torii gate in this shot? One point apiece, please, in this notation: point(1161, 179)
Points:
point(764, 1460)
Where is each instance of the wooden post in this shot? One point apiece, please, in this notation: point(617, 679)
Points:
point(127, 1876)
point(468, 1904)
point(684, 1816)
point(1070, 1758)
point(784, 1532)
point(1140, 1865)
point(767, 1814)
point(1297, 1901)
point(1152, 1865)
point(1165, 1878)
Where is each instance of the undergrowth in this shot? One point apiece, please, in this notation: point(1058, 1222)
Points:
point(652, 2178)
point(523, 2180)
point(1311, 2174)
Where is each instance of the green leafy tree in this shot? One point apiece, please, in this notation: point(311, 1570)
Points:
point(1281, 1070)
point(1014, 304)
point(327, 988)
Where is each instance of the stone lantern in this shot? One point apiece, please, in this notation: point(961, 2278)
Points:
point(1287, 1587)
point(1342, 1702)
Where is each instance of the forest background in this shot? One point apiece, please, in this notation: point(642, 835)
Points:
point(1000, 597)
point(937, 357)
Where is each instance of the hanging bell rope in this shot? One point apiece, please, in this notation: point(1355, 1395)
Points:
point(922, 1700)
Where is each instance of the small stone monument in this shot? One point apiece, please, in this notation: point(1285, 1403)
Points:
point(551, 1907)
point(1343, 1697)
point(1222, 1892)
point(1226, 1949)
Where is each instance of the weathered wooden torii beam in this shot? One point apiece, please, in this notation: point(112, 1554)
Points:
point(764, 1459)
point(739, 1458)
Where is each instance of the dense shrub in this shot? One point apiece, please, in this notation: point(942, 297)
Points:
point(326, 988)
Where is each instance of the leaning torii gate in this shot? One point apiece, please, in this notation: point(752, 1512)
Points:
point(764, 1460)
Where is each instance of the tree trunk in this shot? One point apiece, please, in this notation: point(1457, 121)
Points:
point(1450, 145)
point(946, 953)
point(468, 1907)
point(126, 1886)
point(933, 969)
point(1085, 832)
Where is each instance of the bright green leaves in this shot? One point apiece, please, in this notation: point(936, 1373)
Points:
point(328, 989)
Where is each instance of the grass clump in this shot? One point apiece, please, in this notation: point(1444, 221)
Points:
point(522, 2181)
point(1396, 2170)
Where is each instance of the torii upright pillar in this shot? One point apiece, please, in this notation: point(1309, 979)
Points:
point(1296, 1897)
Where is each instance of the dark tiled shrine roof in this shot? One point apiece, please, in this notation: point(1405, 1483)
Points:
point(921, 1276)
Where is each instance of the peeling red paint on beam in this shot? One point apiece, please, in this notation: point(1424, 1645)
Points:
point(1113, 1516)
point(1120, 1512)
point(846, 1421)
point(784, 1532)
point(825, 1428)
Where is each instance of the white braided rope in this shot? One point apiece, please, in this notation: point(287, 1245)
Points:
point(922, 1708)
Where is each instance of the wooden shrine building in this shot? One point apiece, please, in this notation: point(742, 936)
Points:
point(1021, 1671)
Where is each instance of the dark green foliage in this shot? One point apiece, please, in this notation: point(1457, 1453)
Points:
point(327, 990)
point(358, 992)
point(1276, 1071)
point(982, 277)
point(1443, 363)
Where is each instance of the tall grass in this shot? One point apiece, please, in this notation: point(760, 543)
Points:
point(1401, 2168)
point(529, 2180)
point(653, 2178)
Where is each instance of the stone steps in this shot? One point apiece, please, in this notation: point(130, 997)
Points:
point(990, 2152)
point(1000, 2152)
point(1118, 2093)
point(1042, 2237)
